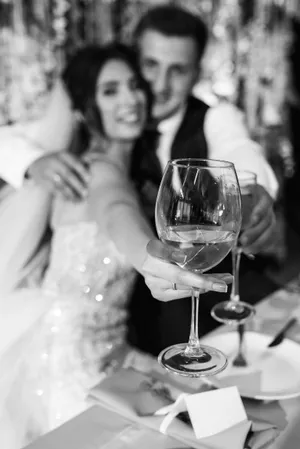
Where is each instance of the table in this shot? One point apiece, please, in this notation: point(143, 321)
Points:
point(272, 312)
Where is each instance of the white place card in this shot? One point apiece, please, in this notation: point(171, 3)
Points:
point(214, 411)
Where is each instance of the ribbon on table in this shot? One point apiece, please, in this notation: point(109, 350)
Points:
point(171, 411)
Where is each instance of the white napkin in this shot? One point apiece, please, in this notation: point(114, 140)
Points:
point(139, 397)
point(208, 411)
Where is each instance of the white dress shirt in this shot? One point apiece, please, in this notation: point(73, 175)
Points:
point(224, 128)
point(227, 138)
point(168, 129)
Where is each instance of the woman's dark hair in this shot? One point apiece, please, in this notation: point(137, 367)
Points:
point(80, 79)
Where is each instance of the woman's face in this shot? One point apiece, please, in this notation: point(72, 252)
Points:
point(121, 101)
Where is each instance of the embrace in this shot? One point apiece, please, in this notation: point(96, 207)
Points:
point(97, 289)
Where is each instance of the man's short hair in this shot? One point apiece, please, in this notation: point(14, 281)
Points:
point(174, 21)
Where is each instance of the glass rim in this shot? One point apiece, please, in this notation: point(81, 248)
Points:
point(213, 163)
point(248, 174)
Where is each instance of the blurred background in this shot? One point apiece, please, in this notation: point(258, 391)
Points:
point(252, 60)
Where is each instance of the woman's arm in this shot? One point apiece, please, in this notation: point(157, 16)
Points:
point(113, 203)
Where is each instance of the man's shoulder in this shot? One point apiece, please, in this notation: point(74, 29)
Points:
point(196, 104)
point(195, 112)
point(196, 109)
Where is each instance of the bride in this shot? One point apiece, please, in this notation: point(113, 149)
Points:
point(61, 339)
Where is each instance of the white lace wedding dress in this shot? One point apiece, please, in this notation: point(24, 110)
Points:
point(78, 335)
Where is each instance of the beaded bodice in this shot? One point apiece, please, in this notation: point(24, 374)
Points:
point(90, 283)
point(85, 263)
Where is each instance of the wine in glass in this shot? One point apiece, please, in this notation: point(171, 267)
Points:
point(236, 311)
point(198, 210)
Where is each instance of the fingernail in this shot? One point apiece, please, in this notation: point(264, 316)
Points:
point(250, 255)
point(222, 288)
point(254, 220)
point(244, 240)
point(228, 278)
point(178, 257)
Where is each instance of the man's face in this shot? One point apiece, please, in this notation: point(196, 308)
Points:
point(170, 65)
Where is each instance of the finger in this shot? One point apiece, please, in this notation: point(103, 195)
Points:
point(263, 241)
point(176, 274)
point(204, 282)
point(226, 277)
point(264, 204)
point(171, 295)
point(156, 283)
point(66, 191)
point(164, 284)
point(51, 177)
point(163, 290)
point(76, 186)
point(71, 182)
point(78, 166)
point(253, 232)
point(160, 250)
point(91, 157)
point(56, 179)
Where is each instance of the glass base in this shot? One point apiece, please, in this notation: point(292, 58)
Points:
point(232, 312)
point(208, 363)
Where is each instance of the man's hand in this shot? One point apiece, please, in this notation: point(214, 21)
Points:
point(61, 172)
point(258, 236)
point(168, 281)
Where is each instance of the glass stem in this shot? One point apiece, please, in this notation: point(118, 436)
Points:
point(193, 348)
point(236, 260)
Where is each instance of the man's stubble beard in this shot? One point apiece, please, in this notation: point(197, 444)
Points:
point(166, 115)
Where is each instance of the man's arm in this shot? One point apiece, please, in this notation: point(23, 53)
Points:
point(16, 154)
point(22, 144)
point(228, 138)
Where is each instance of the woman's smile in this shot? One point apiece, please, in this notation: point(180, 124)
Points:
point(130, 116)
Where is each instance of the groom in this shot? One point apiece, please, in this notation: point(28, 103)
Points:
point(171, 43)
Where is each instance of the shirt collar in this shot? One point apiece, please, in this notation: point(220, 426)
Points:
point(171, 124)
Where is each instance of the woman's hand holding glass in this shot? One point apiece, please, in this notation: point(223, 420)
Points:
point(162, 274)
point(198, 211)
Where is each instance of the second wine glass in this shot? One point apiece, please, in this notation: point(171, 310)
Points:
point(236, 311)
point(198, 210)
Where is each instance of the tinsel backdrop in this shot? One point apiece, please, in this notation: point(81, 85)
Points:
point(246, 61)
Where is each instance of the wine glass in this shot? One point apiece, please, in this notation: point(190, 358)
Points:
point(236, 311)
point(198, 209)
